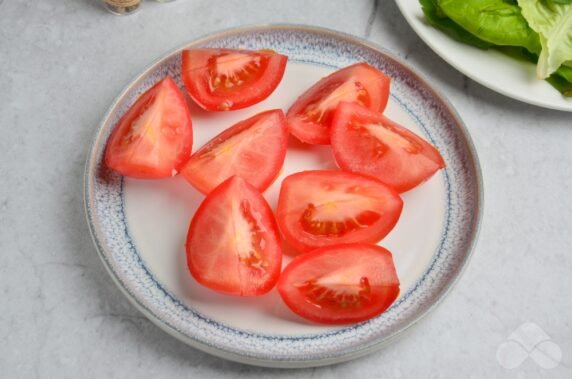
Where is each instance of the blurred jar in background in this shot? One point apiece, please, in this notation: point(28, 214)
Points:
point(122, 7)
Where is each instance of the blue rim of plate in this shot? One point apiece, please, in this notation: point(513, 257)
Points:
point(104, 210)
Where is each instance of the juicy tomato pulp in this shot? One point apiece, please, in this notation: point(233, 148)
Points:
point(369, 143)
point(340, 284)
point(233, 244)
point(253, 149)
point(154, 138)
point(310, 117)
point(323, 208)
point(226, 79)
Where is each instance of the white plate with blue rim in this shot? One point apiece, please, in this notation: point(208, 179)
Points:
point(139, 226)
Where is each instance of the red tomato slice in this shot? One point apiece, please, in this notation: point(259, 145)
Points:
point(233, 244)
point(340, 284)
point(227, 79)
point(154, 137)
point(324, 208)
point(369, 143)
point(310, 117)
point(253, 149)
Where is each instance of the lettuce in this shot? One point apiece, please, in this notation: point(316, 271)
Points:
point(551, 2)
point(561, 79)
point(503, 26)
point(499, 22)
point(565, 72)
point(439, 20)
point(561, 84)
point(553, 23)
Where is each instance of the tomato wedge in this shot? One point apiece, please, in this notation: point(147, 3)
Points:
point(253, 149)
point(310, 117)
point(229, 79)
point(340, 284)
point(323, 208)
point(233, 244)
point(369, 143)
point(154, 137)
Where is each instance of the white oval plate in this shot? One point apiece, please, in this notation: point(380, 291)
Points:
point(139, 226)
point(490, 68)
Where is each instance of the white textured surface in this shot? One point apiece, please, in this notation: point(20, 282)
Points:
point(61, 65)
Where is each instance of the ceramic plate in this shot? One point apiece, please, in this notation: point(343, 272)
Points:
point(139, 226)
point(490, 68)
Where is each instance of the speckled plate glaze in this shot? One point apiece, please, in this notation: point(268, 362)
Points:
point(139, 226)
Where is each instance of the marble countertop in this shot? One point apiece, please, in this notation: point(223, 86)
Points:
point(62, 62)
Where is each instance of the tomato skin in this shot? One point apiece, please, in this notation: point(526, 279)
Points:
point(371, 144)
point(323, 208)
point(313, 286)
point(253, 149)
point(357, 83)
point(142, 147)
point(199, 73)
point(233, 245)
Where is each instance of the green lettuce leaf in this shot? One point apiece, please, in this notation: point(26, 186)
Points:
point(561, 84)
point(499, 22)
point(553, 23)
point(551, 2)
point(560, 80)
point(565, 72)
point(439, 20)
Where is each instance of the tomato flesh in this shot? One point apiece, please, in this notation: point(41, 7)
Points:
point(229, 79)
point(310, 117)
point(322, 208)
point(233, 244)
point(340, 284)
point(253, 149)
point(154, 137)
point(369, 143)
